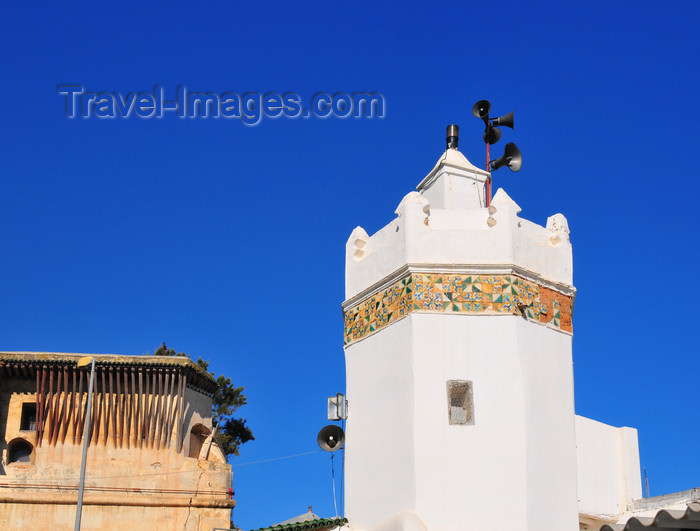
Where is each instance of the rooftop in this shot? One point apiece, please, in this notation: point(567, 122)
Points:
point(24, 364)
point(320, 523)
point(305, 521)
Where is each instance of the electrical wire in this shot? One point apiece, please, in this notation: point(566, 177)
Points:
point(342, 475)
point(139, 490)
point(277, 458)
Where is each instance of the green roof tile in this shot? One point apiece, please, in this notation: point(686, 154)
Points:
point(303, 526)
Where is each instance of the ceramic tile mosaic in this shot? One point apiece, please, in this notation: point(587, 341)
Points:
point(450, 293)
point(379, 310)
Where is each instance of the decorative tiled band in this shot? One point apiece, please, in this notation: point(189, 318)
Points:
point(454, 293)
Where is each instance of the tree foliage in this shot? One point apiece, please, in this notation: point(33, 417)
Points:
point(231, 431)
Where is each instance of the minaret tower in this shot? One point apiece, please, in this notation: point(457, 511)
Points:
point(459, 370)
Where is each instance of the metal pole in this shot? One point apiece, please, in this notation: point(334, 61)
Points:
point(488, 179)
point(86, 439)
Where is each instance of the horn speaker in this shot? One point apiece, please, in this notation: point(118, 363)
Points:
point(506, 120)
point(492, 135)
point(511, 158)
point(481, 109)
point(331, 438)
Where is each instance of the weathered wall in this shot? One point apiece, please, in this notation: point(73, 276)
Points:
point(126, 487)
point(198, 411)
point(12, 393)
point(50, 510)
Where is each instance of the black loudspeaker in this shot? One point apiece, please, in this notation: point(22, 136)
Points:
point(331, 438)
point(511, 158)
point(481, 109)
point(492, 135)
point(506, 120)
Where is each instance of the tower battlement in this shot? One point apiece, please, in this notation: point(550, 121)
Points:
point(430, 229)
point(446, 252)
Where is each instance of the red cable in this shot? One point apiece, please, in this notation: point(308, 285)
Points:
point(488, 179)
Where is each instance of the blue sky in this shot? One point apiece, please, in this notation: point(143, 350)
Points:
point(227, 241)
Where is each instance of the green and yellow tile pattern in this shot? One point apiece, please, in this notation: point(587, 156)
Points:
point(452, 293)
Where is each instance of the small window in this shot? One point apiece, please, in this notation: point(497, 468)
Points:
point(28, 422)
point(20, 451)
point(460, 402)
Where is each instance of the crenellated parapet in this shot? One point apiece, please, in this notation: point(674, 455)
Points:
point(484, 238)
point(451, 254)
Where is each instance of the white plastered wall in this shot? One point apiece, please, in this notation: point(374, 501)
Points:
point(461, 470)
point(404, 461)
point(403, 454)
point(609, 475)
point(379, 462)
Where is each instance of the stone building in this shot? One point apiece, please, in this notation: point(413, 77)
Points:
point(151, 462)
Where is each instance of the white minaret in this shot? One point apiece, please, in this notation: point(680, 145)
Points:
point(459, 370)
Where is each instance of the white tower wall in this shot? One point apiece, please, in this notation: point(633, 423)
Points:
point(379, 464)
point(451, 290)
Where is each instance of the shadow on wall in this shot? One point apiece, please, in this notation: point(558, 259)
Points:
point(4, 412)
point(187, 418)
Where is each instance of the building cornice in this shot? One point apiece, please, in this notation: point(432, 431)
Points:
point(23, 364)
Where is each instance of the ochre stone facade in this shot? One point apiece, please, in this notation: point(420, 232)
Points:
point(150, 463)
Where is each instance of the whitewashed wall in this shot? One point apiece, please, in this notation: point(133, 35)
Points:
point(609, 474)
point(406, 466)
